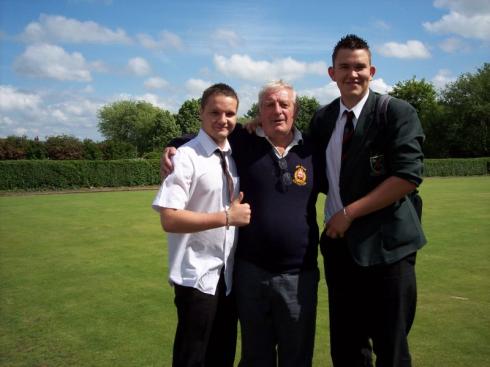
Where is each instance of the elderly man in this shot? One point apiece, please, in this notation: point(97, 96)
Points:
point(276, 272)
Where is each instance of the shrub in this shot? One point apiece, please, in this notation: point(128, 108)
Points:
point(64, 147)
point(47, 174)
point(113, 150)
point(457, 167)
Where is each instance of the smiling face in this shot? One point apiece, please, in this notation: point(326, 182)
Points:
point(277, 111)
point(352, 71)
point(218, 117)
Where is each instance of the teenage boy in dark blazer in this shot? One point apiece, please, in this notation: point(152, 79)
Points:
point(372, 231)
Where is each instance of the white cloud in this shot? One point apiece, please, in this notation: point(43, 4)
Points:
point(20, 131)
point(379, 85)
point(139, 66)
point(468, 7)
point(49, 61)
point(56, 28)
point(248, 95)
point(155, 83)
point(412, 49)
point(227, 36)
point(195, 87)
point(99, 66)
point(165, 40)
point(469, 26)
point(452, 44)
point(442, 78)
point(244, 67)
point(167, 103)
point(381, 24)
point(330, 91)
point(45, 113)
point(13, 99)
point(324, 94)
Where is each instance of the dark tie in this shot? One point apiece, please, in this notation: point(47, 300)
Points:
point(348, 133)
point(229, 180)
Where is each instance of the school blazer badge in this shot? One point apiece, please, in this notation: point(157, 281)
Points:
point(299, 177)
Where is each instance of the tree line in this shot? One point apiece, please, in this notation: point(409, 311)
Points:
point(455, 120)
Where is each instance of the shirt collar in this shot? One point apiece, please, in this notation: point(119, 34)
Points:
point(209, 145)
point(297, 139)
point(357, 109)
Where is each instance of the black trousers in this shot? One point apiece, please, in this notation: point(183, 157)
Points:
point(206, 329)
point(371, 308)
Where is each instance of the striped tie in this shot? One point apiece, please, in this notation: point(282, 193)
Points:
point(229, 180)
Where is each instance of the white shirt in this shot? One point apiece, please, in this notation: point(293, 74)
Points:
point(297, 137)
point(198, 184)
point(334, 155)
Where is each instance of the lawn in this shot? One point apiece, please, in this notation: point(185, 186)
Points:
point(83, 280)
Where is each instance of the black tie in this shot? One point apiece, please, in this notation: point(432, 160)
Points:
point(348, 133)
point(229, 180)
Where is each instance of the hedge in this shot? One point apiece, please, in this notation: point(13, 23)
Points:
point(58, 175)
point(48, 174)
point(457, 167)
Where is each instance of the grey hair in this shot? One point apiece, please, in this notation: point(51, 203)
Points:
point(276, 85)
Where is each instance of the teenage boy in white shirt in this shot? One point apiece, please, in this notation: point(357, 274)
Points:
point(200, 208)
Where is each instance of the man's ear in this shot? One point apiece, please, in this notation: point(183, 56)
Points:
point(372, 71)
point(331, 73)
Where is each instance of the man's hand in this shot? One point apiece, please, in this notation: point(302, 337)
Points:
point(338, 225)
point(166, 165)
point(239, 214)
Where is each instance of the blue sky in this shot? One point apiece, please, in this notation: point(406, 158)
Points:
point(61, 60)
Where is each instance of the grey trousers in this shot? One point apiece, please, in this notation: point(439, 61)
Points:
point(277, 313)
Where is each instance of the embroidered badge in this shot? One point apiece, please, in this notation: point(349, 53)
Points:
point(377, 164)
point(300, 175)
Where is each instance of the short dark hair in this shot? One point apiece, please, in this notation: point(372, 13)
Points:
point(351, 42)
point(218, 88)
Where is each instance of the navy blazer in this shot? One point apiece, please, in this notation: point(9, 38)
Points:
point(376, 153)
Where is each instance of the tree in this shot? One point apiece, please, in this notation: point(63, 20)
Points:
point(62, 147)
point(419, 93)
point(14, 147)
point(37, 149)
point(91, 150)
point(164, 130)
point(423, 97)
point(132, 122)
point(467, 104)
point(252, 113)
point(112, 150)
point(307, 108)
point(188, 119)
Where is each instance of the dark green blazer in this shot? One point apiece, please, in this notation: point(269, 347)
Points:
point(375, 153)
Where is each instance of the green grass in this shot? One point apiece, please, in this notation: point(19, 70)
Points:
point(83, 280)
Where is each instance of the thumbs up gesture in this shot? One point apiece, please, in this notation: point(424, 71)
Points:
point(239, 214)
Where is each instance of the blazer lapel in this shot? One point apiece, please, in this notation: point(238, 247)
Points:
point(330, 119)
point(366, 119)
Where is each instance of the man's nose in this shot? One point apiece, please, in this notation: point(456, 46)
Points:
point(222, 118)
point(353, 72)
point(277, 108)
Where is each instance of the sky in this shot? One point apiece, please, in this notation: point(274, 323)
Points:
point(62, 60)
